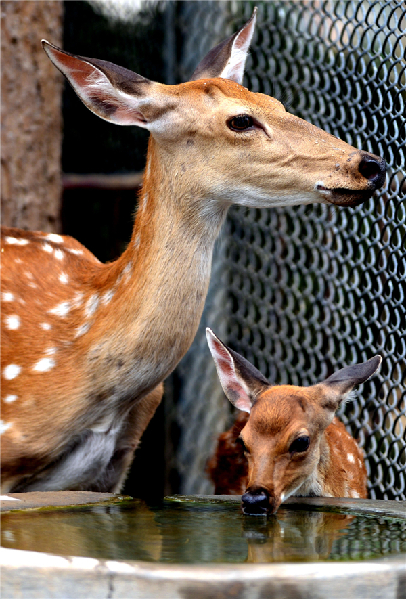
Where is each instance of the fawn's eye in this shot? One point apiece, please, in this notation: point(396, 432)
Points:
point(300, 445)
point(240, 123)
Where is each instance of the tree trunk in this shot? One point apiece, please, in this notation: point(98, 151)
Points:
point(31, 116)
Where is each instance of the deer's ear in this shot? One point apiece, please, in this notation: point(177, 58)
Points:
point(113, 93)
point(338, 386)
point(227, 60)
point(241, 381)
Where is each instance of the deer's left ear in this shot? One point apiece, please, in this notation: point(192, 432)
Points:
point(241, 381)
point(340, 384)
point(227, 60)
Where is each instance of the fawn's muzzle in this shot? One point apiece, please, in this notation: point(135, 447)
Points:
point(255, 503)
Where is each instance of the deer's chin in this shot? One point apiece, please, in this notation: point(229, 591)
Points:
point(344, 197)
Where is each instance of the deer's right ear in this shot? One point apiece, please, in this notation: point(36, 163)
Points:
point(114, 93)
point(241, 381)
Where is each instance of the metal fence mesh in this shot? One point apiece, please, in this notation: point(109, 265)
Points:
point(302, 292)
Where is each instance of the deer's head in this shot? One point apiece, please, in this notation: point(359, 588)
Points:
point(222, 141)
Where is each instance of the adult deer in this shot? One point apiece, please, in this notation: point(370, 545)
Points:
point(292, 441)
point(86, 345)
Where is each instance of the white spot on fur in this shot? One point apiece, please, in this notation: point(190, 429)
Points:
point(63, 277)
point(7, 296)
point(77, 300)
point(77, 252)
point(12, 322)
point(107, 297)
point(28, 274)
point(11, 371)
point(4, 426)
point(61, 309)
point(47, 248)
point(59, 255)
point(10, 398)
point(15, 241)
point(33, 285)
point(354, 494)
point(44, 365)
point(91, 305)
point(50, 351)
point(54, 237)
point(82, 330)
point(350, 458)
point(46, 326)
point(137, 241)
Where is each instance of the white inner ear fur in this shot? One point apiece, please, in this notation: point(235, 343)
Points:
point(234, 68)
point(349, 396)
point(233, 386)
point(128, 106)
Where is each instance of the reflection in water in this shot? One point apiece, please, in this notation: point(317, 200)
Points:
point(202, 533)
point(294, 536)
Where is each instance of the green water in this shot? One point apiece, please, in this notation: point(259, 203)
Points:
point(203, 533)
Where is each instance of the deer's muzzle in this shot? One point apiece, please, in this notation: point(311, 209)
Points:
point(372, 170)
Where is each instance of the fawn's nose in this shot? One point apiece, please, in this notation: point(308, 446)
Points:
point(255, 502)
point(373, 169)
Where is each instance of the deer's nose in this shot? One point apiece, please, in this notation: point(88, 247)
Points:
point(255, 502)
point(373, 169)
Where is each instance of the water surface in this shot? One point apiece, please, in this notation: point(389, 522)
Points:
point(203, 533)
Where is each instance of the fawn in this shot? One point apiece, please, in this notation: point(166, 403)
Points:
point(87, 345)
point(293, 443)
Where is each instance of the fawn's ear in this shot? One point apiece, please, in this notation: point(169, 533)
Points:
point(337, 387)
point(113, 93)
point(227, 60)
point(241, 381)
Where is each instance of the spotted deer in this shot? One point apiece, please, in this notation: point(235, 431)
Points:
point(293, 443)
point(87, 345)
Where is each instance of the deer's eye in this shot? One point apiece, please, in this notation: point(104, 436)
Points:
point(240, 123)
point(300, 445)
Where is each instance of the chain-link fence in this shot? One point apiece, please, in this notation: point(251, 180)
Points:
point(302, 292)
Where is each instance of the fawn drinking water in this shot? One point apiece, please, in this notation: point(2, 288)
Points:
point(292, 441)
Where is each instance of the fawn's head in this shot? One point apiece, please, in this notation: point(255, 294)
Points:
point(222, 142)
point(283, 436)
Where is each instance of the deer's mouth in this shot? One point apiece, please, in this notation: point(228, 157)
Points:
point(340, 196)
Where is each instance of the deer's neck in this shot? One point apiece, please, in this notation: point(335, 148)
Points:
point(156, 290)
